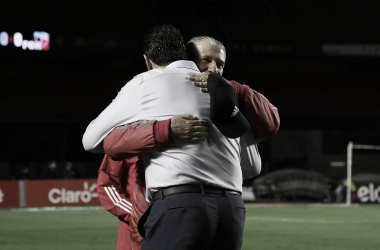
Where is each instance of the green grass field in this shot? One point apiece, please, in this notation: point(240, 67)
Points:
point(274, 227)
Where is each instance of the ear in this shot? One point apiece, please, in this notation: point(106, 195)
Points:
point(148, 63)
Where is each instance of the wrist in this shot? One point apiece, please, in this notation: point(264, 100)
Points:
point(231, 83)
point(240, 90)
point(162, 133)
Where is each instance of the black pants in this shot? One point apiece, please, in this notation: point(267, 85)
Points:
point(191, 221)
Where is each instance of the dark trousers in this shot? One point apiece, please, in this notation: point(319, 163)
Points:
point(192, 221)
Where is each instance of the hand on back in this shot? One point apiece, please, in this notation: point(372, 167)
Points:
point(188, 128)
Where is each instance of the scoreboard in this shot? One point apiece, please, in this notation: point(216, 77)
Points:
point(38, 40)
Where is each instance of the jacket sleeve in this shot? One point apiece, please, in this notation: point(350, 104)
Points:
point(137, 138)
point(113, 197)
point(260, 113)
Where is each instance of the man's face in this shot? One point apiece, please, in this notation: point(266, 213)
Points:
point(210, 58)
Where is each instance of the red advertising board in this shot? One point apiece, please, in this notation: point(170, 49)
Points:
point(9, 194)
point(61, 193)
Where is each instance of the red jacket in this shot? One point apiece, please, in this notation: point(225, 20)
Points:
point(122, 166)
point(121, 183)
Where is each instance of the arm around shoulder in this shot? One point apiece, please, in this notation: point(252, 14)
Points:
point(137, 138)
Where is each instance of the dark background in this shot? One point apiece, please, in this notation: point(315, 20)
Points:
point(48, 98)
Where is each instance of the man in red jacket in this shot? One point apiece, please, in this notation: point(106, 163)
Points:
point(121, 183)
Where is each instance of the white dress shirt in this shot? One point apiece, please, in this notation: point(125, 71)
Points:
point(160, 94)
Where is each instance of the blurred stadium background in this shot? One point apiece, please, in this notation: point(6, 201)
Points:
point(61, 64)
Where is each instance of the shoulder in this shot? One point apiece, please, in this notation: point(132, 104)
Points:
point(147, 75)
point(138, 81)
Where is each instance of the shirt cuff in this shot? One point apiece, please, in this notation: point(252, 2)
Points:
point(161, 133)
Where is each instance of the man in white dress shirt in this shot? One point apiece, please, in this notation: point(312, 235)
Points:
point(194, 189)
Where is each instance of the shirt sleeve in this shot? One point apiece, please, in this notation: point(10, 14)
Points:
point(250, 158)
point(125, 108)
point(260, 113)
point(137, 138)
point(112, 196)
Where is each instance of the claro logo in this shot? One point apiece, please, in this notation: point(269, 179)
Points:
point(62, 195)
point(369, 193)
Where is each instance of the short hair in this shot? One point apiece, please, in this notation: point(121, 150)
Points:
point(190, 45)
point(164, 44)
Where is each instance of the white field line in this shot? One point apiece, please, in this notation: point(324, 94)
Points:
point(49, 209)
point(318, 221)
point(333, 205)
point(276, 219)
point(337, 205)
point(92, 208)
point(254, 218)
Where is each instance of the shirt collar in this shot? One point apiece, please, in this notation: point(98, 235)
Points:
point(183, 64)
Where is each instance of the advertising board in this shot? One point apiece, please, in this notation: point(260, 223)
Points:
point(61, 192)
point(9, 194)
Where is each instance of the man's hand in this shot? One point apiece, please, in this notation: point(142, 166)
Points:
point(200, 80)
point(187, 128)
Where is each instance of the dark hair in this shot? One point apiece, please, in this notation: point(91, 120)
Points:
point(164, 44)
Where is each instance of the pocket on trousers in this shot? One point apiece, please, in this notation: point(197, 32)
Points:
point(240, 212)
point(189, 224)
point(186, 213)
point(238, 208)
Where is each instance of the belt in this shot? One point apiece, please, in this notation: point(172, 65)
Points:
point(191, 189)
